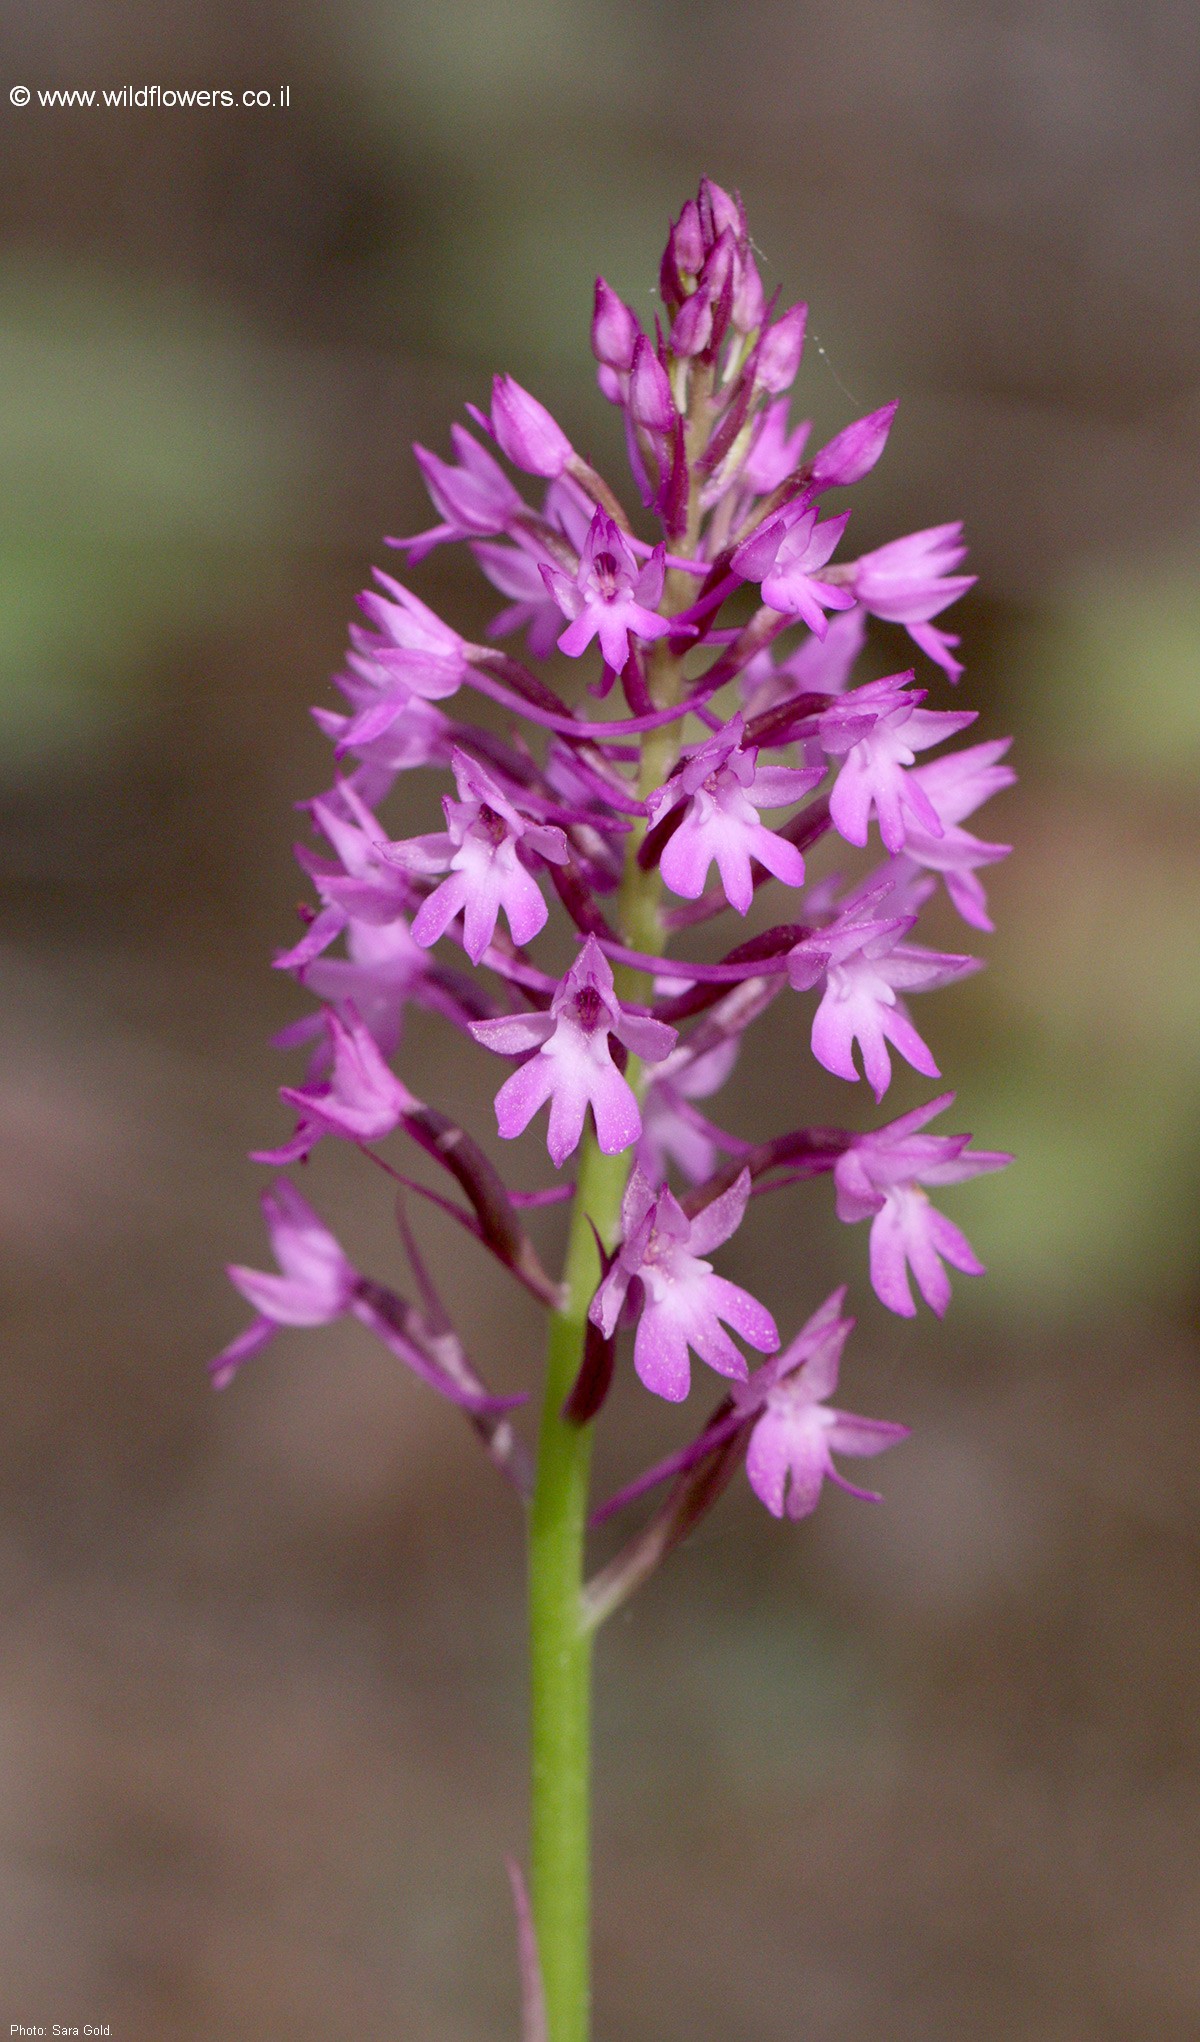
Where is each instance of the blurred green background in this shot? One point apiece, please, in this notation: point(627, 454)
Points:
point(930, 1772)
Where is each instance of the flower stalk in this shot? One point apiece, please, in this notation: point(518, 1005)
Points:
point(560, 1644)
point(561, 1626)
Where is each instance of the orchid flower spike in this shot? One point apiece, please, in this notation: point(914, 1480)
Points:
point(713, 745)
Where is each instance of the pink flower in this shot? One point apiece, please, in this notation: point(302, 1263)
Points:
point(413, 646)
point(709, 277)
point(374, 884)
point(370, 885)
point(865, 965)
point(517, 570)
point(909, 581)
point(784, 555)
point(778, 354)
point(873, 775)
point(651, 404)
point(414, 732)
point(748, 297)
point(383, 971)
point(573, 1066)
point(317, 1283)
point(723, 787)
point(673, 1129)
point(692, 331)
point(684, 1302)
point(774, 452)
point(518, 575)
point(615, 334)
point(880, 1178)
point(485, 835)
point(361, 1102)
point(956, 785)
point(721, 212)
point(475, 499)
point(610, 597)
point(792, 1445)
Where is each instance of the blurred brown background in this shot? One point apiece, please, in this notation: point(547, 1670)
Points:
point(929, 1773)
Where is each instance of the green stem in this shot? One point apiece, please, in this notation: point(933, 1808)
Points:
point(560, 1645)
point(560, 1638)
point(560, 1630)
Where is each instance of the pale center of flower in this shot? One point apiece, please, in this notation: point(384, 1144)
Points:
point(666, 1260)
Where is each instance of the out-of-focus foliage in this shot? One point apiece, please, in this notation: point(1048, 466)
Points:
point(1113, 675)
point(1088, 1030)
point(147, 465)
point(460, 80)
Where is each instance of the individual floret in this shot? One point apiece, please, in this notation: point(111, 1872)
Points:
point(866, 964)
point(910, 580)
point(683, 1301)
point(610, 597)
point(785, 554)
point(722, 787)
point(485, 839)
point(572, 1065)
point(361, 1101)
point(880, 1178)
point(790, 1453)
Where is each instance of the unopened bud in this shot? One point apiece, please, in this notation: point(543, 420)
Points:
point(683, 258)
point(615, 331)
point(720, 213)
point(526, 432)
point(747, 295)
point(687, 241)
point(650, 399)
point(692, 330)
point(853, 452)
point(780, 349)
